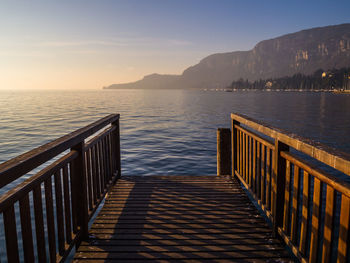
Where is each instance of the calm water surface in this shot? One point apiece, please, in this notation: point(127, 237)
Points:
point(164, 132)
point(167, 132)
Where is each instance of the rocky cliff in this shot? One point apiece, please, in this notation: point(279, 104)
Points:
point(302, 52)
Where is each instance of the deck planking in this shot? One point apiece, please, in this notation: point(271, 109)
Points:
point(180, 219)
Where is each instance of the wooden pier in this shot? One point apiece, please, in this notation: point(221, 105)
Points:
point(272, 192)
point(180, 218)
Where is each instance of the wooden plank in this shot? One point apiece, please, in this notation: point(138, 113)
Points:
point(189, 220)
point(258, 170)
point(268, 178)
point(26, 228)
point(11, 234)
point(254, 167)
point(278, 185)
point(97, 192)
point(328, 225)
point(262, 180)
point(295, 205)
point(304, 231)
point(232, 255)
point(89, 179)
point(107, 225)
point(67, 205)
point(246, 158)
point(74, 199)
point(316, 213)
point(50, 219)
point(243, 157)
point(101, 166)
point(250, 162)
point(287, 192)
point(234, 149)
point(179, 248)
point(59, 212)
point(39, 224)
point(343, 243)
point(240, 155)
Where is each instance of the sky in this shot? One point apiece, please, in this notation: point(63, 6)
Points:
point(85, 44)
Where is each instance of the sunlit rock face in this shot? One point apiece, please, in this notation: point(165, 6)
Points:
point(302, 52)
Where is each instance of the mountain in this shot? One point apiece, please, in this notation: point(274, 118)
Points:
point(302, 52)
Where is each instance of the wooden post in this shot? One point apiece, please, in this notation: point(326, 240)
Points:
point(116, 140)
point(79, 190)
point(223, 151)
point(234, 146)
point(278, 184)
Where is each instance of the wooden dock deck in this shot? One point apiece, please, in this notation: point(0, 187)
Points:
point(180, 219)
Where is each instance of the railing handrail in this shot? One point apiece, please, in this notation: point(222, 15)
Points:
point(294, 193)
point(63, 195)
point(336, 183)
point(20, 165)
point(323, 153)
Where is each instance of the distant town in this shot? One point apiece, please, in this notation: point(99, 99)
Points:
point(331, 80)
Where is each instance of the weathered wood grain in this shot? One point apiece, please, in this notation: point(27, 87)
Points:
point(180, 218)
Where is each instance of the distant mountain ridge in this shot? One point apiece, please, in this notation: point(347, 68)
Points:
point(302, 52)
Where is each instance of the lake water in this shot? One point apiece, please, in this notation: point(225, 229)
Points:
point(167, 131)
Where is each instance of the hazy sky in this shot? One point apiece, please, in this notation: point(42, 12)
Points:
point(82, 44)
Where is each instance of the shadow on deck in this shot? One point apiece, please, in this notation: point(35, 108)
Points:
point(180, 219)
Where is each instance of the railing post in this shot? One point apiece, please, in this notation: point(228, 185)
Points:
point(116, 139)
point(223, 151)
point(278, 184)
point(234, 146)
point(79, 191)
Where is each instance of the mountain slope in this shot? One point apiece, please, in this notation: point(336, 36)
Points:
point(301, 52)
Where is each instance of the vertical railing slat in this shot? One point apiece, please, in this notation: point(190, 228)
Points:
point(328, 225)
point(268, 178)
point(59, 211)
point(250, 162)
point(94, 174)
point(39, 224)
point(254, 166)
point(26, 227)
point(50, 219)
point(74, 199)
point(278, 185)
point(316, 214)
point(295, 205)
point(286, 199)
point(246, 159)
point(67, 213)
point(88, 175)
point(262, 181)
point(344, 236)
point(305, 212)
point(102, 171)
point(11, 234)
point(234, 149)
point(258, 169)
point(98, 173)
point(240, 153)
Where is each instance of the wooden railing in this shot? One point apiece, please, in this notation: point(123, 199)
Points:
point(308, 207)
point(48, 214)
